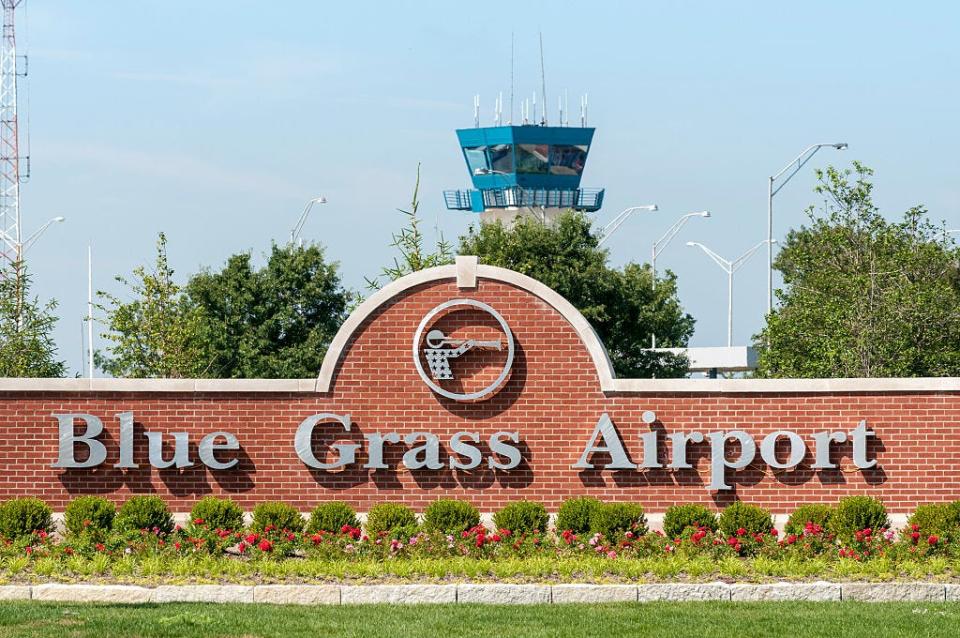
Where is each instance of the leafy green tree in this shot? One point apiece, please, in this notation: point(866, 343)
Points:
point(410, 243)
point(275, 322)
point(863, 296)
point(156, 334)
point(622, 304)
point(27, 348)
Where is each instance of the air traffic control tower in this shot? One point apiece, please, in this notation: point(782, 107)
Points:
point(524, 170)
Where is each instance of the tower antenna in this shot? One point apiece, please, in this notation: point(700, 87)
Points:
point(11, 232)
point(511, 78)
point(543, 84)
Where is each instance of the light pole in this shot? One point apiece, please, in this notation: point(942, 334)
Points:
point(662, 243)
point(729, 267)
point(32, 239)
point(617, 221)
point(295, 233)
point(20, 250)
point(796, 165)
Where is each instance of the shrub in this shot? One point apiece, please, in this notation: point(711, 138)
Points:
point(144, 512)
point(20, 517)
point(90, 514)
point(613, 520)
point(816, 513)
point(941, 519)
point(218, 513)
point(387, 517)
point(855, 513)
point(277, 514)
point(522, 516)
point(450, 516)
point(678, 518)
point(740, 515)
point(331, 517)
point(576, 514)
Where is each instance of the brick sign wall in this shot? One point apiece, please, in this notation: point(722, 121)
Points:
point(553, 398)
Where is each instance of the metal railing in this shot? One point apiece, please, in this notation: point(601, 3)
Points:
point(586, 199)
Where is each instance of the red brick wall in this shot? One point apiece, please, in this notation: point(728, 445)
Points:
point(552, 398)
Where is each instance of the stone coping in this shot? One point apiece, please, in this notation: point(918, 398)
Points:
point(487, 593)
point(629, 386)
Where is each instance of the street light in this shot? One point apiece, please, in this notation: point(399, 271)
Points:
point(32, 239)
point(295, 233)
point(729, 267)
point(617, 221)
point(796, 165)
point(662, 243)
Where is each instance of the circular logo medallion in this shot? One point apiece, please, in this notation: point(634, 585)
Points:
point(442, 353)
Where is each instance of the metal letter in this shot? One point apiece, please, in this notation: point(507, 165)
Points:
point(768, 449)
point(303, 442)
point(209, 446)
point(821, 446)
point(612, 445)
point(181, 450)
point(859, 437)
point(650, 450)
point(498, 447)
point(375, 443)
point(126, 440)
point(98, 451)
point(430, 449)
point(678, 457)
point(718, 456)
point(458, 447)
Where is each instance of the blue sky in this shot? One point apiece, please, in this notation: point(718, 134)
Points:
point(215, 121)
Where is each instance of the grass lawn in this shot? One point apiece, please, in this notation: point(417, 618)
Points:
point(664, 620)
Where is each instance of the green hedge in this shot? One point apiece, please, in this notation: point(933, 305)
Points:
point(21, 517)
point(89, 515)
point(332, 517)
point(613, 520)
point(393, 519)
point(522, 517)
point(679, 518)
point(576, 514)
point(450, 516)
point(857, 513)
point(144, 512)
point(816, 513)
point(743, 516)
point(276, 515)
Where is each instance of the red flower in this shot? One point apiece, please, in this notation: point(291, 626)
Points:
point(241, 547)
point(176, 545)
point(774, 532)
point(29, 550)
point(251, 539)
point(932, 540)
point(915, 537)
point(198, 521)
point(496, 538)
point(291, 537)
point(741, 531)
point(317, 539)
point(265, 545)
point(100, 547)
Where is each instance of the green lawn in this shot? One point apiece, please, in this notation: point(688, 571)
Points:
point(740, 620)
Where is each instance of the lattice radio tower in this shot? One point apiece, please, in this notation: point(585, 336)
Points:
point(11, 233)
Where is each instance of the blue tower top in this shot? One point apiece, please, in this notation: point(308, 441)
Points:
point(525, 166)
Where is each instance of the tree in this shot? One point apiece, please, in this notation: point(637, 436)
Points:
point(27, 348)
point(622, 304)
point(275, 322)
point(863, 296)
point(156, 334)
point(410, 243)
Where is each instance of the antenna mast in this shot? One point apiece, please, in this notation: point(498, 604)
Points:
point(543, 84)
point(11, 234)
